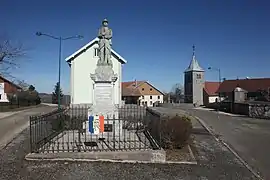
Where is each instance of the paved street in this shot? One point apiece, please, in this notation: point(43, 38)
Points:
point(250, 138)
point(12, 123)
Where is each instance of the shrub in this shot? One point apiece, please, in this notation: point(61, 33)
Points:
point(24, 98)
point(175, 132)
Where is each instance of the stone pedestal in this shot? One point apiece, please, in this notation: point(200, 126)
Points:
point(103, 99)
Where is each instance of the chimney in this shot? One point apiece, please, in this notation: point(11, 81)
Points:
point(135, 83)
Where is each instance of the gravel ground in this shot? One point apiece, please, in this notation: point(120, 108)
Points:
point(214, 162)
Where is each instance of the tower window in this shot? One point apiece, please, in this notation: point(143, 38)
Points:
point(199, 76)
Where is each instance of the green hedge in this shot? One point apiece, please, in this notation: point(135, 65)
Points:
point(20, 99)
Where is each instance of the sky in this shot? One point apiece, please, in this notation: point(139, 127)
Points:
point(154, 36)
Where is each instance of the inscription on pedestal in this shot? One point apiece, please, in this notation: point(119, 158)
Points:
point(103, 94)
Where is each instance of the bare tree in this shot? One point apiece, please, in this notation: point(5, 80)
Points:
point(22, 84)
point(177, 92)
point(10, 53)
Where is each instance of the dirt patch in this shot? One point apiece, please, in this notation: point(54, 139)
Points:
point(185, 154)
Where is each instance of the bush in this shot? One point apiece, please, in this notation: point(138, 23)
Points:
point(175, 132)
point(24, 98)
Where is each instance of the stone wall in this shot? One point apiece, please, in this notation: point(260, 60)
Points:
point(251, 109)
point(259, 110)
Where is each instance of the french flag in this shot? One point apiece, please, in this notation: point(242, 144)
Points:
point(96, 124)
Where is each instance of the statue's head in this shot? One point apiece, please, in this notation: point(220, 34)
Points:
point(105, 22)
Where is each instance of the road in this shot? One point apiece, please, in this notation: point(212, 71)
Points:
point(250, 138)
point(11, 124)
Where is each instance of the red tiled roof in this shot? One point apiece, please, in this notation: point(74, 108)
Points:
point(211, 88)
point(130, 92)
point(8, 81)
point(129, 89)
point(130, 83)
point(250, 85)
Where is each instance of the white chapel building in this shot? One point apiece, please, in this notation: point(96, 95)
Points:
point(83, 63)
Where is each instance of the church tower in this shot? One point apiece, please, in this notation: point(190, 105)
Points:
point(194, 82)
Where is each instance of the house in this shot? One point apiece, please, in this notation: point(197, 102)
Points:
point(7, 87)
point(254, 89)
point(83, 63)
point(210, 94)
point(141, 92)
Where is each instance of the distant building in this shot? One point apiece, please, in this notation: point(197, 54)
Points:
point(254, 89)
point(210, 94)
point(141, 92)
point(7, 87)
point(194, 82)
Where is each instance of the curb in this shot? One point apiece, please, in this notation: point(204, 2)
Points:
point(114, 161)
point(211, 131)
point(88, 157)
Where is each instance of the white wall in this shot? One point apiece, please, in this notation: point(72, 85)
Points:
point(212, 99)
point(154, 99)
point(3, 97)
point(82, 84)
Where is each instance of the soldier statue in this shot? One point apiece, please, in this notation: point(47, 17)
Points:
point(105, 43)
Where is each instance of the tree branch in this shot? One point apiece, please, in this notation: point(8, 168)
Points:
point(10, 53)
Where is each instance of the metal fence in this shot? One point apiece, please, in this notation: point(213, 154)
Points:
point(67, 130)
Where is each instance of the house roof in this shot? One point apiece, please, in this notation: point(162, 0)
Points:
point(130, 91)
point(130, 84)
point(87, 46)
point(4, 79)
point(129, 88)
point(211, 88)
point(250, 85)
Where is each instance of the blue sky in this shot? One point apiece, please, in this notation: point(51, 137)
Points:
point(155, 37)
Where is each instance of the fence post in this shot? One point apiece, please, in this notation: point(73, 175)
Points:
point(30, 125)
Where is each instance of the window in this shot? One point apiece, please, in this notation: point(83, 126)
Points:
point(150, 97)
point(199, 76)
point(96, 52)
point(158, 97)
point(150, 89)
point(142, 89)
point(142, 97)
point(151, 103)
point(0, 96)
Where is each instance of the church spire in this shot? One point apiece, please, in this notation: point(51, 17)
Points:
point(194, 65)
point(193, 47)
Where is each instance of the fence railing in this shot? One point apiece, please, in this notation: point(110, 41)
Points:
point(71, 130)
point(44, 128)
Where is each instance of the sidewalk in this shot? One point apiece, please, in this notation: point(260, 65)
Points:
point(13, 123)
point(219, 112)
point(19, 110)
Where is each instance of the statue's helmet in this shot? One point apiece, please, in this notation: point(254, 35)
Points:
point(104, 20)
